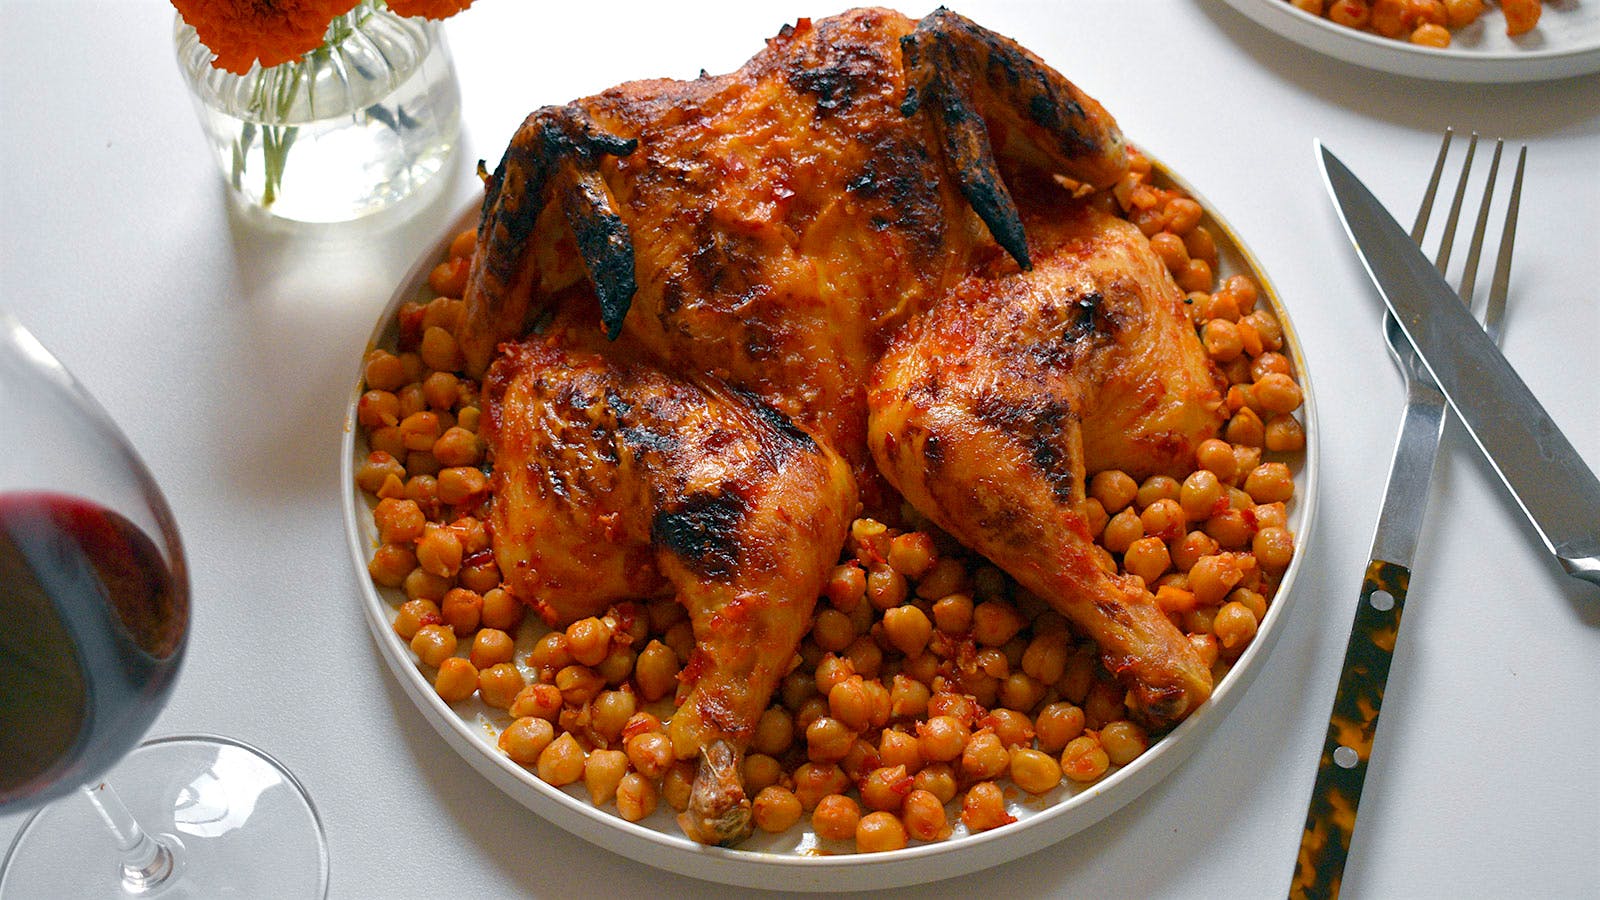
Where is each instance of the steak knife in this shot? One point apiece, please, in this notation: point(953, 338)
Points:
point(1544, 473)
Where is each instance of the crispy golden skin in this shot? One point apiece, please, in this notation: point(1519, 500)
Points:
point(982, 414)
point(753, 243)
point(785, 218)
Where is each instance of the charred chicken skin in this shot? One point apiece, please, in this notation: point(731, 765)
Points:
point(721, 316)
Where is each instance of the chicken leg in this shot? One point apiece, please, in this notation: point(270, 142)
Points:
point(976, 416)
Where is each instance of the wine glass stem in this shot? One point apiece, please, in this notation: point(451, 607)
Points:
point(147, 863)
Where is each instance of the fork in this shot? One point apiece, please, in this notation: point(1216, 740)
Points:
point(1331, 818)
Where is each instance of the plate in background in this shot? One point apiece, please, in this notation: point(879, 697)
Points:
point(1565, 43)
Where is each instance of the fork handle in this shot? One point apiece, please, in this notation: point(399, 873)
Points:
point(1343, 767)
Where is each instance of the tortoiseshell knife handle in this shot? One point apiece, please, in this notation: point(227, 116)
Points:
point(1343, 767)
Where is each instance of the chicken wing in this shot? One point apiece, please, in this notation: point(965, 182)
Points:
point(984, 410)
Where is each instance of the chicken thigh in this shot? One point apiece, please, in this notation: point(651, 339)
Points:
point(986, 413)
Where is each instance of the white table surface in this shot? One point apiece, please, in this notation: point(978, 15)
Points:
point(225, 351)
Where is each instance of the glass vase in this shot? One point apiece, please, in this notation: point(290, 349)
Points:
point(344, 131)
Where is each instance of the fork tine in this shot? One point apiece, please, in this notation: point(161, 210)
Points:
point(1469, 273)
point(1426, 207)
point(1446, 242)
point(1501, 283)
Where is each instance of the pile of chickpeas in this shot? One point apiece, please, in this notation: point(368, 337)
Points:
point(1425, 22)
point(931, 688)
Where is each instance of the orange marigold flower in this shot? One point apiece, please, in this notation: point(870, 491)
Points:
point(240, 32)
point(433, 9)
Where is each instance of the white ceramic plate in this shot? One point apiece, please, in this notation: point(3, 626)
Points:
point(794, 859)
point(1565, 43)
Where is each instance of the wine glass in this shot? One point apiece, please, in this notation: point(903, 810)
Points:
point(94, 618)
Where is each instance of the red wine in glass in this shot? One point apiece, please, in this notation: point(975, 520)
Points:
point(94, 621)
point(92, 627)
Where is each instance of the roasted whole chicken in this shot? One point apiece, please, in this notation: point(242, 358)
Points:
point(718, 318)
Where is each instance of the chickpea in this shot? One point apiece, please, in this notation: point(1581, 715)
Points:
point(995, 622)
point(1114, 489)
point(456, 679)
point(1229, 529)
point(1045, 658)
point(984, 757)
point(378, 467)
point(650, 753)
point(1284, 434)
point(1034, 771)
point(439, 349)
point(1156, 487)
point(953, 613)
point(938, 779)
point(1221, 340)
point(1196, 276)
point(760, 771)
point(942, 738)
point(865, 656)
point(885, 788)
point(439, 551)
point(1057, 724)
point(1270, 483)
point(1147, 558)
point(398, 521)
point(832, 630)
point(849, 703)
point(1189, 550)
point(1084, 759)
point(1019, 690)
point(1163, 519)
point(461, 610)
point(948, 576)
point(499, 685)
point(1201, 493)
point(1212, 577)
point(1252, 600)
point(655, 672)
point(524, 739)
point(886, 588)
point(636, 797)
point(984, 807)
point(869, 540)
point(412, 615)
point(433, 644)
point(828, 740)
point(390, 565)
point(774, 732)
point(610, 713)
point(589, 640)
point(578, 685)
point(907, 628)
point(561, 762)
point(1274, 548)
point(1431, 35)
point(1235, 625)
point(846, 586)
point(880, 831)
point(602, 773)
point(1124, 528)
point(813, 781)
point(835, 818)
point(538, 700)
point(1183, 214)
point(1169, 247)
point(776, 809)
point(908, 697)
point(912, 554)
point(1201, 245)
point(550, 651)
point(1123, 741)
point(491, 646)
point(924, 817)
point(677, 784)
point(1277, 393)
point(1245, 428)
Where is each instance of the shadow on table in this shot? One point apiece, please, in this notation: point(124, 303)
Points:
point(1517, 110)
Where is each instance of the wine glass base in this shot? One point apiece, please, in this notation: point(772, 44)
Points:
point(237, 822)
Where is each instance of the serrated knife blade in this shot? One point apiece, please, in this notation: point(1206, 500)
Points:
point(1544, 473)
